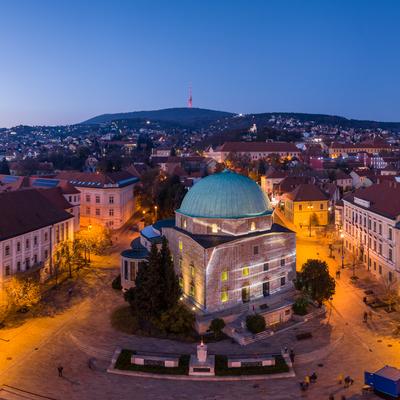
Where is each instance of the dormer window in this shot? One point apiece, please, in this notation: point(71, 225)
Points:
point(214, 228)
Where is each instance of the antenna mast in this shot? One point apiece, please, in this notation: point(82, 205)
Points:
point(190, 100)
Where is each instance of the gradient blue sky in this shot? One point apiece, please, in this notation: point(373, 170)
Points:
point(65, 61)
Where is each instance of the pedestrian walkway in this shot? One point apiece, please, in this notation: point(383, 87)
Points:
point(12, 393)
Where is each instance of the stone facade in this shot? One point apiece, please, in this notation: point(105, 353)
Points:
point(242, 265)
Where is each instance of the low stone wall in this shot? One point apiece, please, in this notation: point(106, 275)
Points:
point(251, 362)
point(162, 361)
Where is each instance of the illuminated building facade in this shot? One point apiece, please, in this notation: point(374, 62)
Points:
point(306, 205)
point(106, 199)
point(255, 150)
point(371, 228)
point(225, 247)
point(30, 229)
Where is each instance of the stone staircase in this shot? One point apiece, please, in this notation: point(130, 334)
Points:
point(12, 393)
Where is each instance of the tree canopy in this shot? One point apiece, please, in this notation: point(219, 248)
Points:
point(315, 281)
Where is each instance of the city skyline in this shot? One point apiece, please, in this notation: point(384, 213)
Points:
point(66, 63)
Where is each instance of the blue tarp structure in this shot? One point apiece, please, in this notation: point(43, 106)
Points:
point(385, 381)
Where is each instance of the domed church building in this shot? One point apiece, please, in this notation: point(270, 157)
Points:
point(229, 255)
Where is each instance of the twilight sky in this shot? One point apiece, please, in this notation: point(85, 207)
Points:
point(65, 61)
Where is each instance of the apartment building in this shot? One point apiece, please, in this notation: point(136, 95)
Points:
point(31, 226)
point(371, 227)
point(106, 199)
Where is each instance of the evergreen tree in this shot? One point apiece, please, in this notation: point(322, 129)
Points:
point(146, 298)
point(172, 291)
point(4, 168)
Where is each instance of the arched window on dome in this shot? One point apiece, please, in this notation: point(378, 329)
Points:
point(253, 226)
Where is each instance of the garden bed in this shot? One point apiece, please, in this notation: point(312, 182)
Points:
point(124, 363)
point(221, 367)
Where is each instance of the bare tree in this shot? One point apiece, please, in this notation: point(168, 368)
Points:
point(391, 291)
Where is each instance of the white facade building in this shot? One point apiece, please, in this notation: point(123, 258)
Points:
point(30, 228)
point(371, 227)
point(106, 199)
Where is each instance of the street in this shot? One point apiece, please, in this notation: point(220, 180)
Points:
point(82, 336)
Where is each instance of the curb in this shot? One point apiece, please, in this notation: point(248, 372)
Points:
point(205, 378)
point(112, 370)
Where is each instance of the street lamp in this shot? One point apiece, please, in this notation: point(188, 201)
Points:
point(155, 212)
point(342, 237)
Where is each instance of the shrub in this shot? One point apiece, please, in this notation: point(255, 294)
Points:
point(300, 306)
point(216, 326)
point(178, 320)
point(255, 323)
point(116, 283)
point(23, 292)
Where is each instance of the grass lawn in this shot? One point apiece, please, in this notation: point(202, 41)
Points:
point(221, 367)
point(124, 363)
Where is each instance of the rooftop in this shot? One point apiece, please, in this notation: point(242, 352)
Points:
point(225, 195)
point(208, 241)
point(26, 211)
point(383, 198)
point(306, 192)
point(98, 179)
point(137, 251)
point(269, 147)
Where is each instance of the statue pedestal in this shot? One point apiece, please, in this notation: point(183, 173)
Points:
point(202, 364)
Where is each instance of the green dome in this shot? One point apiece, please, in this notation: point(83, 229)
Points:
point(225, 195)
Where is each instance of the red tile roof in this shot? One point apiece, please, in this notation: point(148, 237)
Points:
point(306, 192)
point(384, 198)
point(253, 147)
point(370, 144)
point(291, 182)
point(27, 210)
point(55, 195)
point(99, 179)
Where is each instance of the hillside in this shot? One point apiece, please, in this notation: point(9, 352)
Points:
point(182, 116)
point(221, 120)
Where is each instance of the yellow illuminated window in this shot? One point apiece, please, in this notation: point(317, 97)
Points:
point(253, 226)
point(245, 271)
point(214, 228)
point(224, 296)
point(180, 245)
point(224, 276)
point(184, 223)
point(192, 270)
